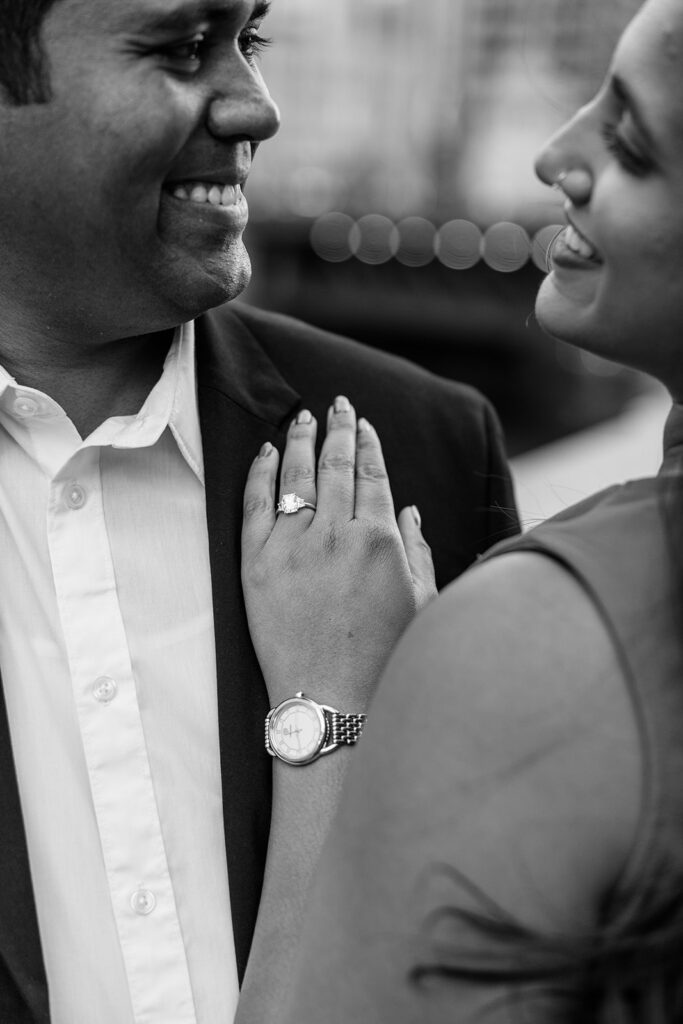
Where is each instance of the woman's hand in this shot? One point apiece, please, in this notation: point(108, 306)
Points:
point(329, 592)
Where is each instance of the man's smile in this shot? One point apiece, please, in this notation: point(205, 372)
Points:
point(207, 202)
point(208, 192)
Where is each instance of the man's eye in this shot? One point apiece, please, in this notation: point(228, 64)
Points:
point(252, 44)
point(188, 53)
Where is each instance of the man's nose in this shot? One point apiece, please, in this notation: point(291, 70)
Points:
point(243, 108)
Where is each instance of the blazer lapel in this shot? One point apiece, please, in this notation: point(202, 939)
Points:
point(23, 983)
point(243, 402)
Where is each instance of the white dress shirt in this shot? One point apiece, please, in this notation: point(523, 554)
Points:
point(108, 665)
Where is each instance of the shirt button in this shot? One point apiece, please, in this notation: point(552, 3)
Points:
point(143, 901)
point(75, 496)
point(25, 406)
point(104, 689)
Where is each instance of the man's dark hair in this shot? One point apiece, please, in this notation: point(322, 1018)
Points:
point(24, 69)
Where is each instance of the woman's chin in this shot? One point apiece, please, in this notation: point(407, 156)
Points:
point(563, 313)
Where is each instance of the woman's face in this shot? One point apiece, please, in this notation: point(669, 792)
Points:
point(616, 286)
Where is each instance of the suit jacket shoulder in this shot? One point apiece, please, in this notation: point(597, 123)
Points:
point(442, 440)
point(320, 355)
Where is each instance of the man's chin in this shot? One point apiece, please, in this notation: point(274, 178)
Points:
point(212, 283)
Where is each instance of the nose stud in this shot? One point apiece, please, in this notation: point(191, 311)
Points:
point(576, 184)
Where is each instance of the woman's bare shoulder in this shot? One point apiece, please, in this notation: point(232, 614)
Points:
point(506, 700)
point(519, 627)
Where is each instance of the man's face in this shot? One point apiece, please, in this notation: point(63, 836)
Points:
point(121, 206)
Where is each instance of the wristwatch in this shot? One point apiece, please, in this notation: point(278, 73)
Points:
point(299, 730)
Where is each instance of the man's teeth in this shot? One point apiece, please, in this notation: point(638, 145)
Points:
point(215, 195)
point(578, 244)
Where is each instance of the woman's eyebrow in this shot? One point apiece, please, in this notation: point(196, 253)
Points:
point(628, 100)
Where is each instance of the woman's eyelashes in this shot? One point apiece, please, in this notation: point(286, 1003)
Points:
point(630, 157)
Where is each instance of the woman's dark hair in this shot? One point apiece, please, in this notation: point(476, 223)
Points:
point(24, 69)
point(627, 976)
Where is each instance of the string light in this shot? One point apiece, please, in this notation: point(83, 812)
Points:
point(506, 247)
point(415, 242)
point(458, 244)
point(374, 239)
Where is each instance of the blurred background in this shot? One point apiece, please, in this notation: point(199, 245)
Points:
point(398, 205)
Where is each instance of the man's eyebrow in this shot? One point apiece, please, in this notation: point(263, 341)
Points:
point(629, 101)
point(187, 15)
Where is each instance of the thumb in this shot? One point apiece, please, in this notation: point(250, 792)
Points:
point(419, 555)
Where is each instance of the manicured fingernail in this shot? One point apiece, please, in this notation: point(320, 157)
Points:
point(416, 516)
point(363, 424)
point(342, 404)
point(304, 417)
point(266, 450)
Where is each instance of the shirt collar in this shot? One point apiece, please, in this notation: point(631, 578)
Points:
point(171, 403)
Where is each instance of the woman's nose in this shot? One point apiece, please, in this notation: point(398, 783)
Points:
point(564, 164)
point(576, 184)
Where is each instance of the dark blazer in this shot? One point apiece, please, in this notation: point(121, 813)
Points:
point(255, 370)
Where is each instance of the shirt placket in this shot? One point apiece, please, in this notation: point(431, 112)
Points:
point(111, 727)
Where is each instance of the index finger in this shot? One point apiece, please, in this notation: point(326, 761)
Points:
point(258, 508)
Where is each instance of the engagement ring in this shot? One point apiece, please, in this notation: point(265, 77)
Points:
point(290, 503)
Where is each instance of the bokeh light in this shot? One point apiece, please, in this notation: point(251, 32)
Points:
point(311, 191)
point(458, 244)
point(330, 237)
point(506, 247)
point(416, 242)
point(374, 239)
point(541, 243)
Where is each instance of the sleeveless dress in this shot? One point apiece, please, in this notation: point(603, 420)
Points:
point(624, 547)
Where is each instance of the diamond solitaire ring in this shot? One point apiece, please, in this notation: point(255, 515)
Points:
point(290, 503)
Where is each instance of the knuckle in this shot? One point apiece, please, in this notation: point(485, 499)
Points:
point(367, 439)
point(255, 505)
point(295, 563)
point(371, 471)
point(255, 576)
point(422, 545)
point(300, 431)
point(380, 541)
point(336, 462)
point(260, 469)
point(294, 474)
point(342, 422)
point(330, 539)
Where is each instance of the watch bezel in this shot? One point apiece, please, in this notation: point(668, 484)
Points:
point(319, 710)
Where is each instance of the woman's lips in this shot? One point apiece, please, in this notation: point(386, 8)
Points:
point(572, 249)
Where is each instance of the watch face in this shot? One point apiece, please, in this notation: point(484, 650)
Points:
point(297, 731)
